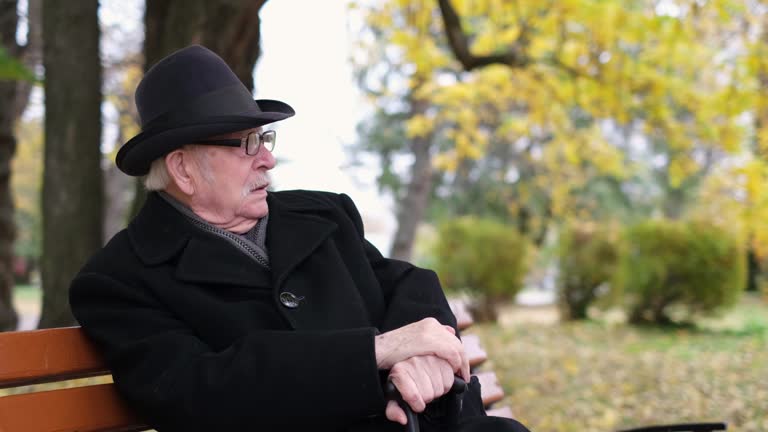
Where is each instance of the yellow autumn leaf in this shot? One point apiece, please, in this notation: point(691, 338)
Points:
point(419, 126)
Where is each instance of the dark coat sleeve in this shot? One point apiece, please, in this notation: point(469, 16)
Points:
point(411, 293)
point(270, 380)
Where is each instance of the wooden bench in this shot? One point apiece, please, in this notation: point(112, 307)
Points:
point(53, 355)
point(61, 354)
point(492, 391)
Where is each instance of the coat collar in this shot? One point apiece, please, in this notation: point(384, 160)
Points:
point(159, 231)
point(295, 229)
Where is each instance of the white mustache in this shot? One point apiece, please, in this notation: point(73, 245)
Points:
point(261, 180)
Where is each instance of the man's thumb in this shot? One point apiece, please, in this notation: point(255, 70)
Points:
point(395, 413)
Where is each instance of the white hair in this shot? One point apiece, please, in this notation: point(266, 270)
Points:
point(158, 177)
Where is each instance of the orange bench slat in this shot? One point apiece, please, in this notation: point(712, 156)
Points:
point(96, 408)
point(35, 356)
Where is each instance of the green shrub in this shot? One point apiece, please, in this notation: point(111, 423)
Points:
point(687, 268)
point(588, 255)
point(483, 257)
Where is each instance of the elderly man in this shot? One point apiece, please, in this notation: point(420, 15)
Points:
point(224, 307)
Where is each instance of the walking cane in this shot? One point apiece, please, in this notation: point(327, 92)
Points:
point(459, 386)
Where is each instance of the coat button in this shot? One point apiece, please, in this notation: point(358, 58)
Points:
point(290, 300)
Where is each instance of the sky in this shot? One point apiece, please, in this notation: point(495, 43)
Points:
point(304, 62)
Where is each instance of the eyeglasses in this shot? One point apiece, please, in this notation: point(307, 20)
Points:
point(253, 142)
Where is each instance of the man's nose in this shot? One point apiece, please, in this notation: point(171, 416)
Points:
point(264, 159)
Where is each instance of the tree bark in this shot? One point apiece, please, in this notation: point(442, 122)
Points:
point(8, 96)
point(14, 96)
point(413, 205)
point(230, 28)
point(761, 110)
point(485, 308)
point(72, 181)
point(755, 269)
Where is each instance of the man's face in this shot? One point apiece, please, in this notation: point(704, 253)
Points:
point(231, 186)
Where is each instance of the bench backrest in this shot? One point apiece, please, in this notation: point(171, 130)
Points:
point(54, 355)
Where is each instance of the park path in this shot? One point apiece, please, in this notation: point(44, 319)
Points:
point(29, 314)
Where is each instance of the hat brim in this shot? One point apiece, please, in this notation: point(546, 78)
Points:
point(135, 156)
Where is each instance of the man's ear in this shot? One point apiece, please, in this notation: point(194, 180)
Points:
point(178, 164)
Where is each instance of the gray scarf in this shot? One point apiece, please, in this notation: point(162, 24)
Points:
point(252, 243)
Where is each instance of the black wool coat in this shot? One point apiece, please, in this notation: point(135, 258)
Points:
point(198, 339)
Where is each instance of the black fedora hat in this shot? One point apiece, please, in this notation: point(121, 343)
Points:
point(191, 95)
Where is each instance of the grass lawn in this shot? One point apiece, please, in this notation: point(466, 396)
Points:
point(593, 376)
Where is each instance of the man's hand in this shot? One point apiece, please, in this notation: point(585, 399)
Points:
point(423, 338)
point(420, 380)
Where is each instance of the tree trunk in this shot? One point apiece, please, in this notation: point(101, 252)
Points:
point(573, 302)
point(230, 28)
point(72, 181)
point(761, 110)
point(413, 205)
point(485, 309)
point(755, 270)
point(8, 317)
point(14, 96)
